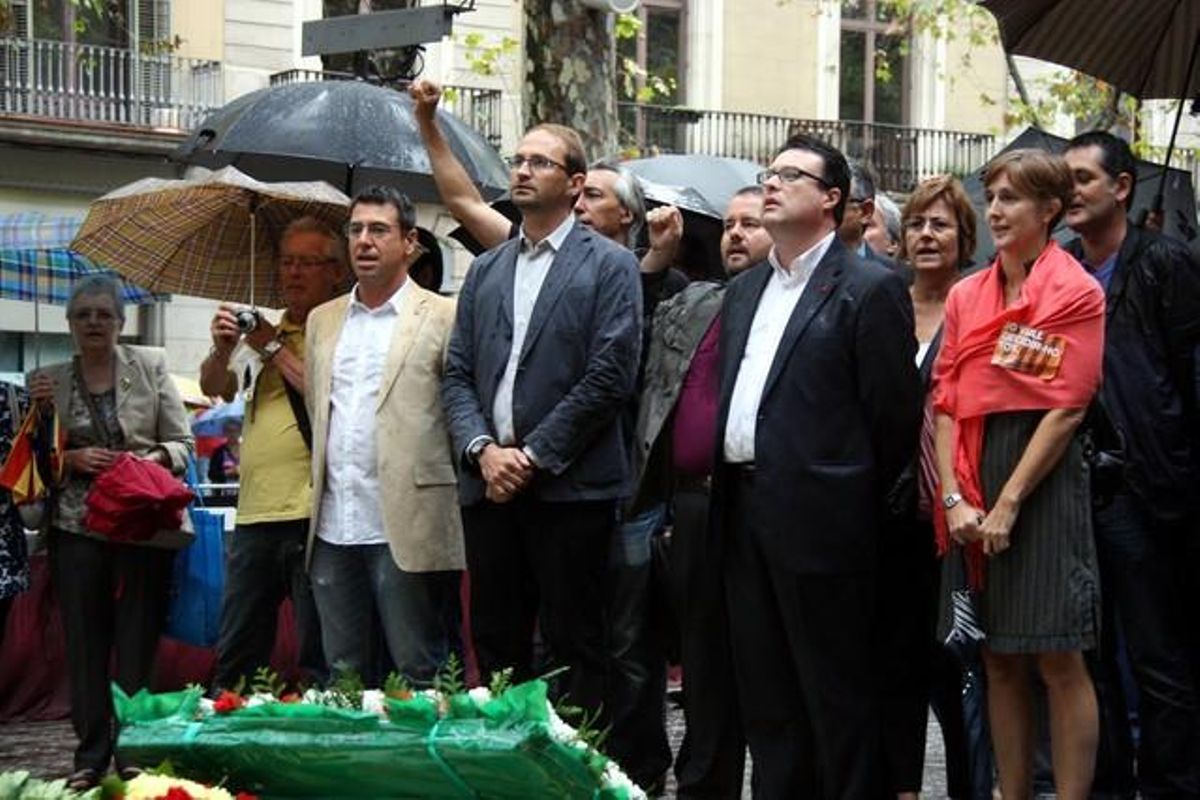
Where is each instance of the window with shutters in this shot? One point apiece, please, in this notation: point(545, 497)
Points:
point(104, 61)
point(873, 79)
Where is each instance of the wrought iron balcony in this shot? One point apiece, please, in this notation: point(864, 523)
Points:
point(479, 108)
point(91, 83)
point(901, 156)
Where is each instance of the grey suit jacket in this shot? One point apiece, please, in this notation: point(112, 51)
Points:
point(578, 366)
point(679, 325)
point(149, 409)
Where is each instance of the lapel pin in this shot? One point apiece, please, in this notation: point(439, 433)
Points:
point(125, 383)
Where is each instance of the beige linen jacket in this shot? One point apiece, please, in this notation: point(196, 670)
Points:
point(148, 404)
point(418, 485)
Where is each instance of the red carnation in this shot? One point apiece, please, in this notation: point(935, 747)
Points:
point(175, 793)
point(228, 701)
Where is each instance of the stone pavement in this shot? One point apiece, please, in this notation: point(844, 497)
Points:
point(45, 749)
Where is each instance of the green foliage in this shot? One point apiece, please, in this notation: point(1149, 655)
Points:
point(449, 680)
point(500, 681)
point(267, 681)
point(628, 26)
point(395, 686)
point(488, 57)
point(21, 785)
point(584, 722)
point(346, 690)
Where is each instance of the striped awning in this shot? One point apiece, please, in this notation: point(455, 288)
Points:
point(36, 262)
point(1140, 46)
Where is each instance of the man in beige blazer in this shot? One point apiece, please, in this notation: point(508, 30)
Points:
point(385, 542)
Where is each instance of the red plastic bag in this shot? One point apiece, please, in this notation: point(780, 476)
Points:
point(134, 499)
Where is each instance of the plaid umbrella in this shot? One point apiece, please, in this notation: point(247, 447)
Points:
point(212, 236)
point(37, 264)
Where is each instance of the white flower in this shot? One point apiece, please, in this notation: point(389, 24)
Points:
point(372, 701)
point(480, 694)
point(260, 699)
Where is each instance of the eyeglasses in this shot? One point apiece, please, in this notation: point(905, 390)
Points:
point(374, 230)
point(936, 224)
point(789, 175)
point(89, 314)
point(535, 163)
point(305, 262)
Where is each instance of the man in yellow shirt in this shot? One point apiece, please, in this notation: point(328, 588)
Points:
point(266, 554)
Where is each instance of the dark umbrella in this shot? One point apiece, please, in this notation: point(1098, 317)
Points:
point(715, 178)
point(1179, 201)
point(699, 251)
point(1146, 48)
point(347, 133)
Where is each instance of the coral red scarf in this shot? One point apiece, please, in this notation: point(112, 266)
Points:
point(1042, 352)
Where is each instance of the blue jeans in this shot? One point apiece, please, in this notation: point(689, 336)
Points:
point(360, 592)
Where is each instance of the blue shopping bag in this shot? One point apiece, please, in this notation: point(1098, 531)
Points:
point(198, 582)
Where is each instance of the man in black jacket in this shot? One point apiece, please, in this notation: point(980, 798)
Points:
point(1152, 287)
point(819, 405)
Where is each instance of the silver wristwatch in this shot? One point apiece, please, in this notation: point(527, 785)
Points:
point(271, 349)
point(951, 500)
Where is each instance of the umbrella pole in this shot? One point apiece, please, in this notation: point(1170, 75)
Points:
point(37, 328)
point(253, 246)
point(1187, 84)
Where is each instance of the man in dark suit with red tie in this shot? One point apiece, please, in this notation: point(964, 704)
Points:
point(819, 408)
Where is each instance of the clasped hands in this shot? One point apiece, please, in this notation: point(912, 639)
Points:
point(993, 528)
point(506, 470)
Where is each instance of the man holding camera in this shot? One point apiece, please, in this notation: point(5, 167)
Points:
point(265, 560)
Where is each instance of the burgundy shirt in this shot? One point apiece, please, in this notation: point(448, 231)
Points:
point(695, 431)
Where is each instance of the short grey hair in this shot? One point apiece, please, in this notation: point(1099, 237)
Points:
point(97, 284)
point(891, 215)
point(629, 195)
point(862, 181)
point(310, 224)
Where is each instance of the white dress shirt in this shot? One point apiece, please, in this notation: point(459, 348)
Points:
point(533, 264)
point(775, 308)
point(350, 509)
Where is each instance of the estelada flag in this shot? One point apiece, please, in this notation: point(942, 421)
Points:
point(36, 460)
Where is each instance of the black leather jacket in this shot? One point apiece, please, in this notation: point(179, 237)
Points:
point(1152, 369)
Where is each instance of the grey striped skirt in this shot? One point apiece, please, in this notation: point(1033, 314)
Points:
point(1043, 593)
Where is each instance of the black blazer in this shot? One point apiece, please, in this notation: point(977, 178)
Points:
point(577, 369)
point(839, 415)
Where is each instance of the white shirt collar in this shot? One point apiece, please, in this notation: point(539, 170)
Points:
point(803, 265)
point(390, 306)
point(556, 237)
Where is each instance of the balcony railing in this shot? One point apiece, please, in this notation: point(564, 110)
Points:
point(90, 83)
point(479, 108)
point(901, 156)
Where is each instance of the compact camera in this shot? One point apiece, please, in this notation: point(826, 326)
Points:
point(247, 319)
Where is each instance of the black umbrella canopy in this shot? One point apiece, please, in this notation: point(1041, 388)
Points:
point(714, 178)
point(347, 133)
point(1140, 46)
point(1179, 199)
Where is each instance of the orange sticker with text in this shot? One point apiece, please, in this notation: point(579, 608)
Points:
point(1025, 349)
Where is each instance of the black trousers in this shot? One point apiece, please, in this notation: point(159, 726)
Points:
point(112, 597)
point(637, 676)
point(802, 648)
point(908, 582)
point(1143, 567)
point(264, 563)
point(540, 563)
point(712, 756)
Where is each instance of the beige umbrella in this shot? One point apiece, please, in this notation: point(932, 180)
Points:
point(212, 236)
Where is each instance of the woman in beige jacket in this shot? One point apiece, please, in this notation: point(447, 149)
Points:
point(113, 596)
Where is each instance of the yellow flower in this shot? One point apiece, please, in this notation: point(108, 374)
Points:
point(152, 787)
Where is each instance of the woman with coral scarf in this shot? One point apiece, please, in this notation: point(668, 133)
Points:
point(1020, 361)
